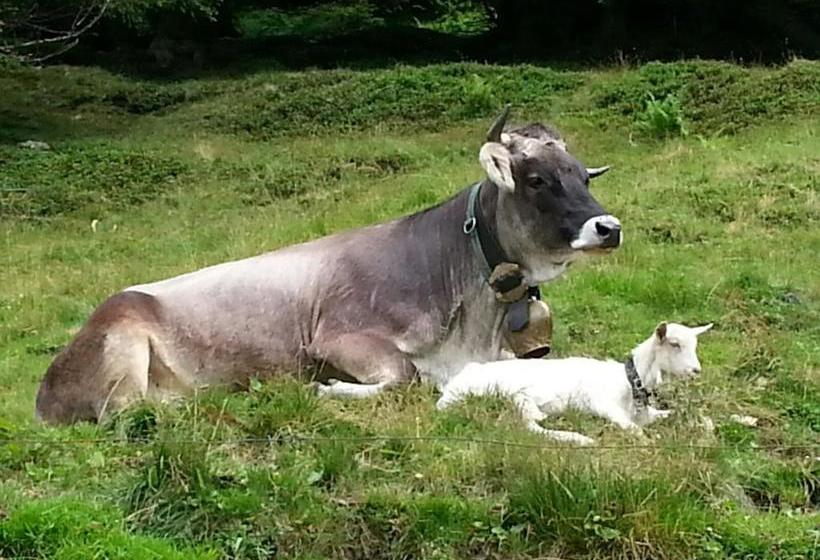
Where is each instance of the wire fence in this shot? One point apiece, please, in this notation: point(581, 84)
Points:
point(280, 439)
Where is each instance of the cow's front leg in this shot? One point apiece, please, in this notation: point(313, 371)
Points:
point(372, 361)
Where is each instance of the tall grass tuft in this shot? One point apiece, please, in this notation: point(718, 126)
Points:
point(582, 509)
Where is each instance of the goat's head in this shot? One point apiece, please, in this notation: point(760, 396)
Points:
point(676, 348)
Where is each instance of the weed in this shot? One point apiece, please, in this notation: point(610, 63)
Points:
point(662, 118)
point(478, 97)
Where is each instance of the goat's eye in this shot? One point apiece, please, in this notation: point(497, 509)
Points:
point(675, 345)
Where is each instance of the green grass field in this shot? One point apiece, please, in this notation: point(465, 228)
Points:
point(716, 183)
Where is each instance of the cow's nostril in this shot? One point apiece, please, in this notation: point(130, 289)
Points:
point(602, 230)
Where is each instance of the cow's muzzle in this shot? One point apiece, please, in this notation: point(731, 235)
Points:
point(600, 232)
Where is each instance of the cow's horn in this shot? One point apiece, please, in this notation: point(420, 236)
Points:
point(597, 171)
point(494, 135)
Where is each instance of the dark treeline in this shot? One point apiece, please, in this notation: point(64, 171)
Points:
point(752, 29)
point(577, 30)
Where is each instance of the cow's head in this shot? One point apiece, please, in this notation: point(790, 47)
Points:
point(545, 215)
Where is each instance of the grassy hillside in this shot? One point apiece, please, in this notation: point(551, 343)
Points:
point(716, 182)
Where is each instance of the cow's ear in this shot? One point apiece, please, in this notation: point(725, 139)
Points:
point(496, 160)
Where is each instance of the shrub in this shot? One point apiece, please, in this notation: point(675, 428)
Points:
point(50, 183)
point(459, 17)
point(317, 22)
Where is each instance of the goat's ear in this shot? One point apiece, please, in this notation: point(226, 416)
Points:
point(496, 160)
point(700, 330)
point(660, 331)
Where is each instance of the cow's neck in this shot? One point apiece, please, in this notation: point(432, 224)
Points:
point(449, 279)
point(457, 269)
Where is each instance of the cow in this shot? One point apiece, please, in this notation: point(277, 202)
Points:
point(366, 309)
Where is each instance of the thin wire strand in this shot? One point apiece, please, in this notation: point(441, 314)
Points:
point(289, 438)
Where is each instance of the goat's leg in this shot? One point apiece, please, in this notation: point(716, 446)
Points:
point(448, 399)
point(565, 436)
point(653, 415)
point(373, 361)
point(623, 420)
point(532, 415)
point(529, 410)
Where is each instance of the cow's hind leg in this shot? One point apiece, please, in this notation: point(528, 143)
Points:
point(105, 367)
point(124, 373)
point(372, 361)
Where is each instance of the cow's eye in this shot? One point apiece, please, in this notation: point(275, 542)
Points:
point(536, 181)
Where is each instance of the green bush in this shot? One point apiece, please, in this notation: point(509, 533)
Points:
point(60, 181)
point(321, 21)
point(316, 102)
point(716, 97)
point(459, 17)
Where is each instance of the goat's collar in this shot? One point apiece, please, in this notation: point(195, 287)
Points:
point(640, 394)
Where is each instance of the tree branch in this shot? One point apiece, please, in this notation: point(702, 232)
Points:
point(80, 25)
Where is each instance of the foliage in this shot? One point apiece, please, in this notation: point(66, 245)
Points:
point(45, 29)
point(316, 22)
point(532, 29)
point(459, 17)
point(100, 176)
point(716, 97)
point(663, 117)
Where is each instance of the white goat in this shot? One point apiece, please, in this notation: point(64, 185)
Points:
point(602, 388)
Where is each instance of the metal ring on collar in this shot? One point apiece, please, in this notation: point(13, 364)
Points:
point(469, 225)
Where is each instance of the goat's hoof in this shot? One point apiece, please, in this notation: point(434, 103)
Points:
point(320, 388)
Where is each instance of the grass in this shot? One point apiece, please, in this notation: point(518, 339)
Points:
point(721, 225)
